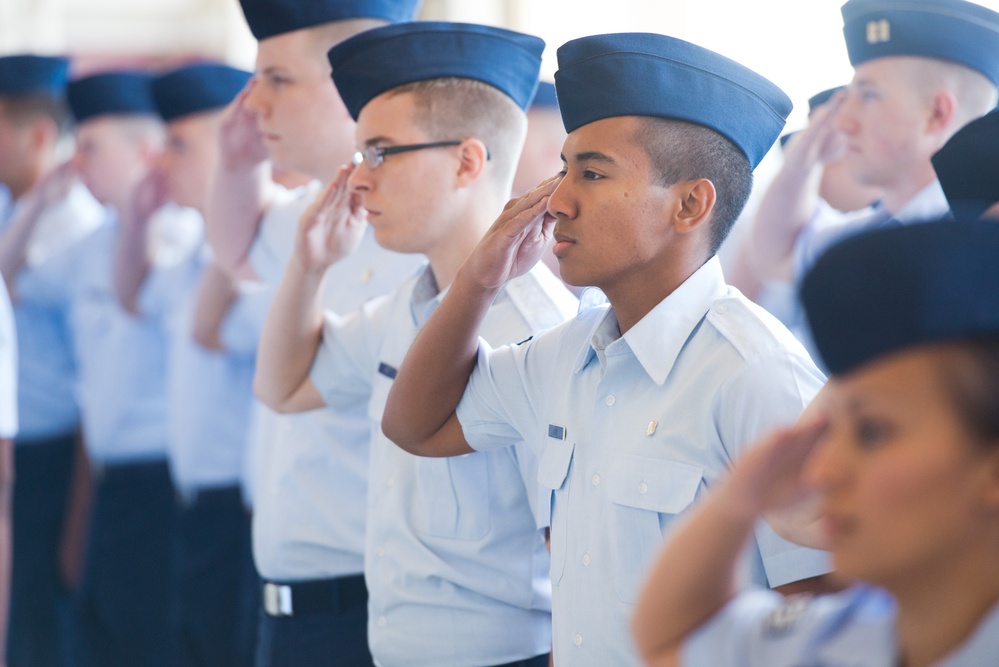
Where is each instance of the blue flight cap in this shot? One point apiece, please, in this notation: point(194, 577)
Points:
point(25, 73)
point(196, 88)
point(896, 287)
point(376, 61)
point(268, 18)
point(968, 167)
point(645, 74)
point(953, 30)
point(818, 99)
point(545, 97)
point(111, 93)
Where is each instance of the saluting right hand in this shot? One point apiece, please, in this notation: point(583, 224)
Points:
point(821, 142)
point(516, 241)
point(240, 140)
point(332, 227)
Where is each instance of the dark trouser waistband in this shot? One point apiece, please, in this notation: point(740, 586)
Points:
point(215, 496)
point(536, 661)
point(319, 596)
point(128, 470)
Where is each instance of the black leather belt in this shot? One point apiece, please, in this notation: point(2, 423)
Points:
point(320, 596)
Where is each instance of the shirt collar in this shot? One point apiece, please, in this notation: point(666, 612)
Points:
point(656, 340)
point(928, 204)
point(426, 297)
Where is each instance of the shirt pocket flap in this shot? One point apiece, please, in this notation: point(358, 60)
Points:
point(667, 487)
point(554, 465)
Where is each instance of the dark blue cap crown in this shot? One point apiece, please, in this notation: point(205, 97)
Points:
point(644, 74)
point(894, 288)
point(25, 73)
point(952, 30)
point(197, 88)
point(268, 18)
point(818, 99)
point(376, 61)
point(968, 167)
point(545, 97)
point(111, 93)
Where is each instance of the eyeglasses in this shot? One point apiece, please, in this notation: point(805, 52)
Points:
point(373, 156)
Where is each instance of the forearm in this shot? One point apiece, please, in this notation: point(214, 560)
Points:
point(433, 376)
point(217, 292)
point(291, 336)
point(695, 575)
point(784, 210)
point(239, 198)
point(14, 243)
point(131, 264)
point(77, 518)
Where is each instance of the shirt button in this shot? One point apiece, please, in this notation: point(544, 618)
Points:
point(721, 309)
point(586, 559)
point(578, 639)
point(382, 621)
point(595, 479)
point(610, 400)
point(643, 488)
point(390, 481)
point(381, 552)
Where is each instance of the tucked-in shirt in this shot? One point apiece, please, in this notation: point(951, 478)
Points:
point(928, 204)
point(455, 562)
point(854, 628)
point(310, 478)
point(211, 391)
point(122, 357)
point(47, 403)
point(8, 367)
point(630, 429)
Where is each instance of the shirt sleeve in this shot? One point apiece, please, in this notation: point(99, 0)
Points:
point(504, 401)
point(275, 241)
point(726, 638)
point(770, 393)
point(347, 358)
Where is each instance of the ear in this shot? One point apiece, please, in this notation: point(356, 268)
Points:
point(472, 158)
point(943, 107)
point(696, 201)
point(42, 133)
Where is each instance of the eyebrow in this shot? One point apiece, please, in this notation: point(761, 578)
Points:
point(591, 156)
point(374, 141)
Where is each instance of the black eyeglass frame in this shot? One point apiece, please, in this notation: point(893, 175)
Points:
point(373, 156)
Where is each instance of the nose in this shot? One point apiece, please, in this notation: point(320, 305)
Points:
point(846, 119)
point(826, 465)
point(359, 179)
point(560, 201)
point(254, 100)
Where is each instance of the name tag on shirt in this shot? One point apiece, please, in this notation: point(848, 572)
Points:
point(388, 371)
point(557, 432)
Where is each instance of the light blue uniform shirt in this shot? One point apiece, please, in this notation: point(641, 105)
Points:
point(930, 203)
point(854, 628)
point(211, 392)
point(8, 367)
point(122, 358)
point(310, 478)
point(630, 430)
point(455, 560)
point(47, 402)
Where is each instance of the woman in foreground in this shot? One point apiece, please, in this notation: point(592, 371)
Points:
point(903, 464)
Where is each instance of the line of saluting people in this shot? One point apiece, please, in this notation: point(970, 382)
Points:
point(454, 461)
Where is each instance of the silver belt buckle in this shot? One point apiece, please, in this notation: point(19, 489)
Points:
point(277, 599)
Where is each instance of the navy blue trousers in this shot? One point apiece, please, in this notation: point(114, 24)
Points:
point(41, 612)
point(125, 590)
point(215, 591)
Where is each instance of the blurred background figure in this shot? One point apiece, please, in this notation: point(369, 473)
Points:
point(968, 169)
point(48, 216)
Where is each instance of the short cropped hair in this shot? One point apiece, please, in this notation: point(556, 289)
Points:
point(682, 151)
point(976, 95)
point(26, 107)
point(452, 108)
